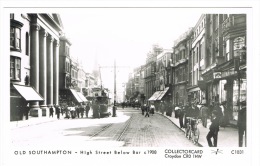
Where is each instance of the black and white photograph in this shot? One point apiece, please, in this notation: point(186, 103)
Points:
point(121, 83)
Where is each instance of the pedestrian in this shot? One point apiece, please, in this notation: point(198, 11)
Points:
point(210, 109)
point(143, 108)
point(187, 113)
point(169, 109)
point(152, 108)
point(147, 111)
point(241, 124)
point(51, 111)
point(26, 111)
point(219, 113)
point(58, 111)
point(62, 110)
point(123, 105)
point(225, 114)
point(81, 110)
point(67, 112)
point(213, 130)
point(204, 114)
point(78, 110)
point(87, 109)
point(72, 112)
point(181, 115)
point(162, 107)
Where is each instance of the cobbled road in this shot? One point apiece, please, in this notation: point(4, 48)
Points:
point(129, 128)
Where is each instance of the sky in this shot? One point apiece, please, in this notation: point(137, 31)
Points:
point(124, 34)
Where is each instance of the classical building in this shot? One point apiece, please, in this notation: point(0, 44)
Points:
point(34, 63)
point(182, 51)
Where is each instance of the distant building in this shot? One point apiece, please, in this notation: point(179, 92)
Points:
point(150, 69)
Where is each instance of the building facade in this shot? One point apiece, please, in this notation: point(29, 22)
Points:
point(164, 73)
point(226, 70)
point(182, 51)
point(150, 70)
point(34, 63)
point(197, 60)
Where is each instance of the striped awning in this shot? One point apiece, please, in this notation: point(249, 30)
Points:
point(76, 96)
point(154, 96)
point(82, 97)
point(163, 93)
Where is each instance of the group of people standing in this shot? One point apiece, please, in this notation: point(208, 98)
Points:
point(75, 111)
point(147, 110)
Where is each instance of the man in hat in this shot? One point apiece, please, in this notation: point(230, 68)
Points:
point(241, 123)
point(213, 130)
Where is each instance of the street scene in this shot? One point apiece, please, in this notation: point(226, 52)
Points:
point(117, 82)
point(129, 128)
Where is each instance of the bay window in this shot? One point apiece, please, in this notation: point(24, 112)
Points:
point(15, 35)
point(15, 68)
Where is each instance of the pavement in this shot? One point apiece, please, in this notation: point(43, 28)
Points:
point(227, 137)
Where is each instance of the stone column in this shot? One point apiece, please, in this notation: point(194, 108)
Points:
point(56, 72)
point(50, 71)
point(34, 61)
point(43, 71)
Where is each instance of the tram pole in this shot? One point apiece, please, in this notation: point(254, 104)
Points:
point(114, 107)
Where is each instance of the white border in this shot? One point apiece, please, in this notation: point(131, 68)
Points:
point(252, 151)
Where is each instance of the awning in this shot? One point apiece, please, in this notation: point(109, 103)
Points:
point(28, 93)
point(82, 97)
point(75, 94)
point(154, 96)
point(163, 93)
point(194, 89)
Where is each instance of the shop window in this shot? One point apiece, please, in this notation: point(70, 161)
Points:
point(15, 68)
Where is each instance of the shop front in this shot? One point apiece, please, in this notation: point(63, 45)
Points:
point(20, 98)
point(180, 97)
point(69, 97)
point(226, 86)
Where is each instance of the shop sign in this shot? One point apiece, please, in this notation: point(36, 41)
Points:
point(216, 75)
point(228, 73)
point(239, 42)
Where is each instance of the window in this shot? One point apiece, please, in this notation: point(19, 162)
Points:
point(15, 35)
point(27, 44)
point(15, 68)
point(227, 51)
point(200, 55)
point(15, 39)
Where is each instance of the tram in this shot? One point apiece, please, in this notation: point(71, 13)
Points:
point(100, 100)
